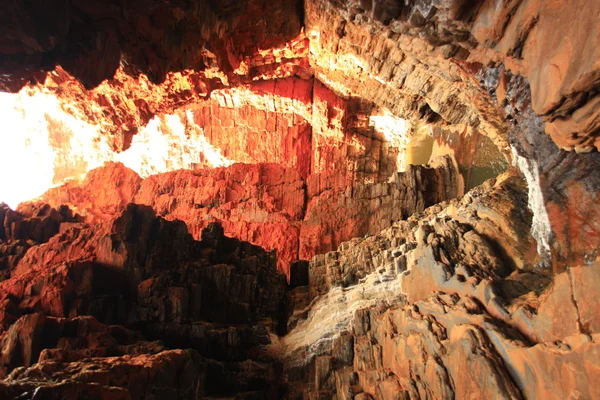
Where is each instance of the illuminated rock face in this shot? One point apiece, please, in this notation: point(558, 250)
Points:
point(265, 204)
point(294, 122)
point(303, 129)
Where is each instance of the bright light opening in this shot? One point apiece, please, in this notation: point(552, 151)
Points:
point(397, 132)
point(43, 146)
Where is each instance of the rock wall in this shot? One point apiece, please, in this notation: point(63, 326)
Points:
point(447, 304)
point(488, 67)
point(420, 59)
point(295, 122)
point(32, 226)
point(490, 295)
point(265, 204)
point(303, 124)
point(94, 39)
point(65, 307)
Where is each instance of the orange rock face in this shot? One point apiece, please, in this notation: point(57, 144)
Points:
point(340, 137)
point(265, 204)
point(267, 122)
point(416, 310)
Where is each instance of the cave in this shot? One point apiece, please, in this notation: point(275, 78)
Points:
point(303, 199)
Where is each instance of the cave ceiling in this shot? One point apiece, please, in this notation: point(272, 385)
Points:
point(428, 60)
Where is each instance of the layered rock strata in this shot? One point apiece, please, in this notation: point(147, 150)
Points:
point(65, 307)
point(419, 59)
point(447, 304)
point(490, 295)
point(264, 204)
point(30, 227)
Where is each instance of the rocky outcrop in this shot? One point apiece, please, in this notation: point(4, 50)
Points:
point(32, 226)
point(446, 304)
point(449, 302)
point(334, 216)
point(295, 122)
point(265, 204)
point(175, 374)
point(420, 59)
point(325, 119)
point(66, 305)
point(92, 40)
point(563, 221)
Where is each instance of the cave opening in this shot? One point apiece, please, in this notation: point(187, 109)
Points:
point(322, 143)
point(299, 199)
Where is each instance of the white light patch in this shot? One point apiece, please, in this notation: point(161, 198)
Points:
point(43, 146)
point(167, 144)
point(541, 230)
point(31, 128)
point(397, 132)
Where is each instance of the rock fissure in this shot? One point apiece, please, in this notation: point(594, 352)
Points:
point(581, 328)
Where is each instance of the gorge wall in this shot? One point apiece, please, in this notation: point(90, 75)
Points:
point(265, 204)
point(324, 199)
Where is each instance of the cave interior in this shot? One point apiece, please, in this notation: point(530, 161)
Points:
point(303, 199)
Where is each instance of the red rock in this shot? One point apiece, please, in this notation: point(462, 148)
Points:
point(109, 28)
point(106, 192)
point(450, 301)
point(219, 296)
point(264, 204)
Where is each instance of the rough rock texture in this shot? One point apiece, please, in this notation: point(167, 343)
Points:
point(493, 295)
point(448, 304)
point(64, 308)
point(176, 374)
point(264, 204)
point(462, 66)
point(92, 39)
point(419, 59)
point(562, 185)
point(303, 124)
point(295, 122)
point(32, 226)
point(122, 105)
point(484, 66)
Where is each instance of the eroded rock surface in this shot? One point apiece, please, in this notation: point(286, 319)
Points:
point(31, 226)
point(450, 302)
point(420, 59)
point(446, 304)
point(397, 289)
point(65, 307)
point(265, 204)
point(92, 40)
